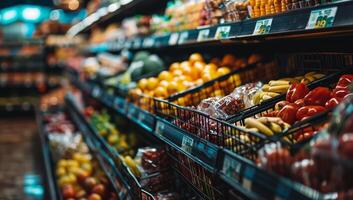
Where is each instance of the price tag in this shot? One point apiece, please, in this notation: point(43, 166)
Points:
point(203, 35)
point(322, 18)
point(263, 26)
point(248, 176)
point(160, 126)
point(148, 42)
point(183, 37)
point(142, 116)
point(96, 92)
point(131, 112)
point(231, 167)
point(187, 144)
point(128, 44)
point(173, 39)
point(222, 32)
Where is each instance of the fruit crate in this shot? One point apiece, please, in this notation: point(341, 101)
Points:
point(205, 183)
point(324, 164)
point(298, 64)
point(220, 86)
point(229, 134)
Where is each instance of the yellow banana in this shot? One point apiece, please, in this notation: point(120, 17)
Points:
point(253, 123)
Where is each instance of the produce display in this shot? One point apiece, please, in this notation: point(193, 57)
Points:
point(143, 64)
point(148, 164)
point(78, 174)
point(103, 65)
point(324, 164)
point(300, 104)
point(190, 73)
point(276, 87)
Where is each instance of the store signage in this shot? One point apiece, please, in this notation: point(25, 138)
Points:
point(203, 35)
point(322, 18)
point(263, 26)
point(222, 32)
point(173, 39)
point(187, 143)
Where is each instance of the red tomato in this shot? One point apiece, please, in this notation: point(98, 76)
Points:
point(297, 91)
point(309, 111)
point(280, 105)
point(288, 113)
point(319, 96)
point(333, 102)
point(300, 102)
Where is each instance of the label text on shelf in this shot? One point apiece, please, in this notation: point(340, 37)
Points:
point(263, 26)
point(222, 32)
point(322, 18)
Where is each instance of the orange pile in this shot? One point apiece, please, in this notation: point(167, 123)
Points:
point(181, 76)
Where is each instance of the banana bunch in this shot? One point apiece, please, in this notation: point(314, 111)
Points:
point(277, 87)
point(132, 165)
point(266, 125)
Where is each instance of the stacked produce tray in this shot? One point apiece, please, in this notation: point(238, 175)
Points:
point(54, 191)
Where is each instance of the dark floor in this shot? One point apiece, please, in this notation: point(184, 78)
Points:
point(20, 159)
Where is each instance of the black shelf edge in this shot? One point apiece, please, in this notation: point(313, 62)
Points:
point(52, 188)
point(284, 25)
point(106, 154)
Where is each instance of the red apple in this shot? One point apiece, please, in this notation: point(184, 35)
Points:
point(345, 146)
point(68, 191)
point(89, 183)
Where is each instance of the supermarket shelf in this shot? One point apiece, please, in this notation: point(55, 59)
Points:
point(199, 150)
point(21, 42)
point(238, 172)
point(292, 24)
point(52, 188)
point(10, 108)
point(23, 68)
point(115, 170)
point(114, 12)
point(108, 167)
point(18, 57)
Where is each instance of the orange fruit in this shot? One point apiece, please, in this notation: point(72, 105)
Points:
point(223, 71)
point(163, 84)
point(228, 60)
point(142, 84)
point(181, 86)
point(199, 65)
point(152, 83)
point(207, 76)
point(165, 75)
point(160, 92)
point(211, 67)
point(172, 87)
point(177, 73)
point(199, 81)
point(174, 66)
point(195, 57)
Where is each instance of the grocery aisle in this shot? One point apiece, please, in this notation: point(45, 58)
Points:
point(20, 165)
